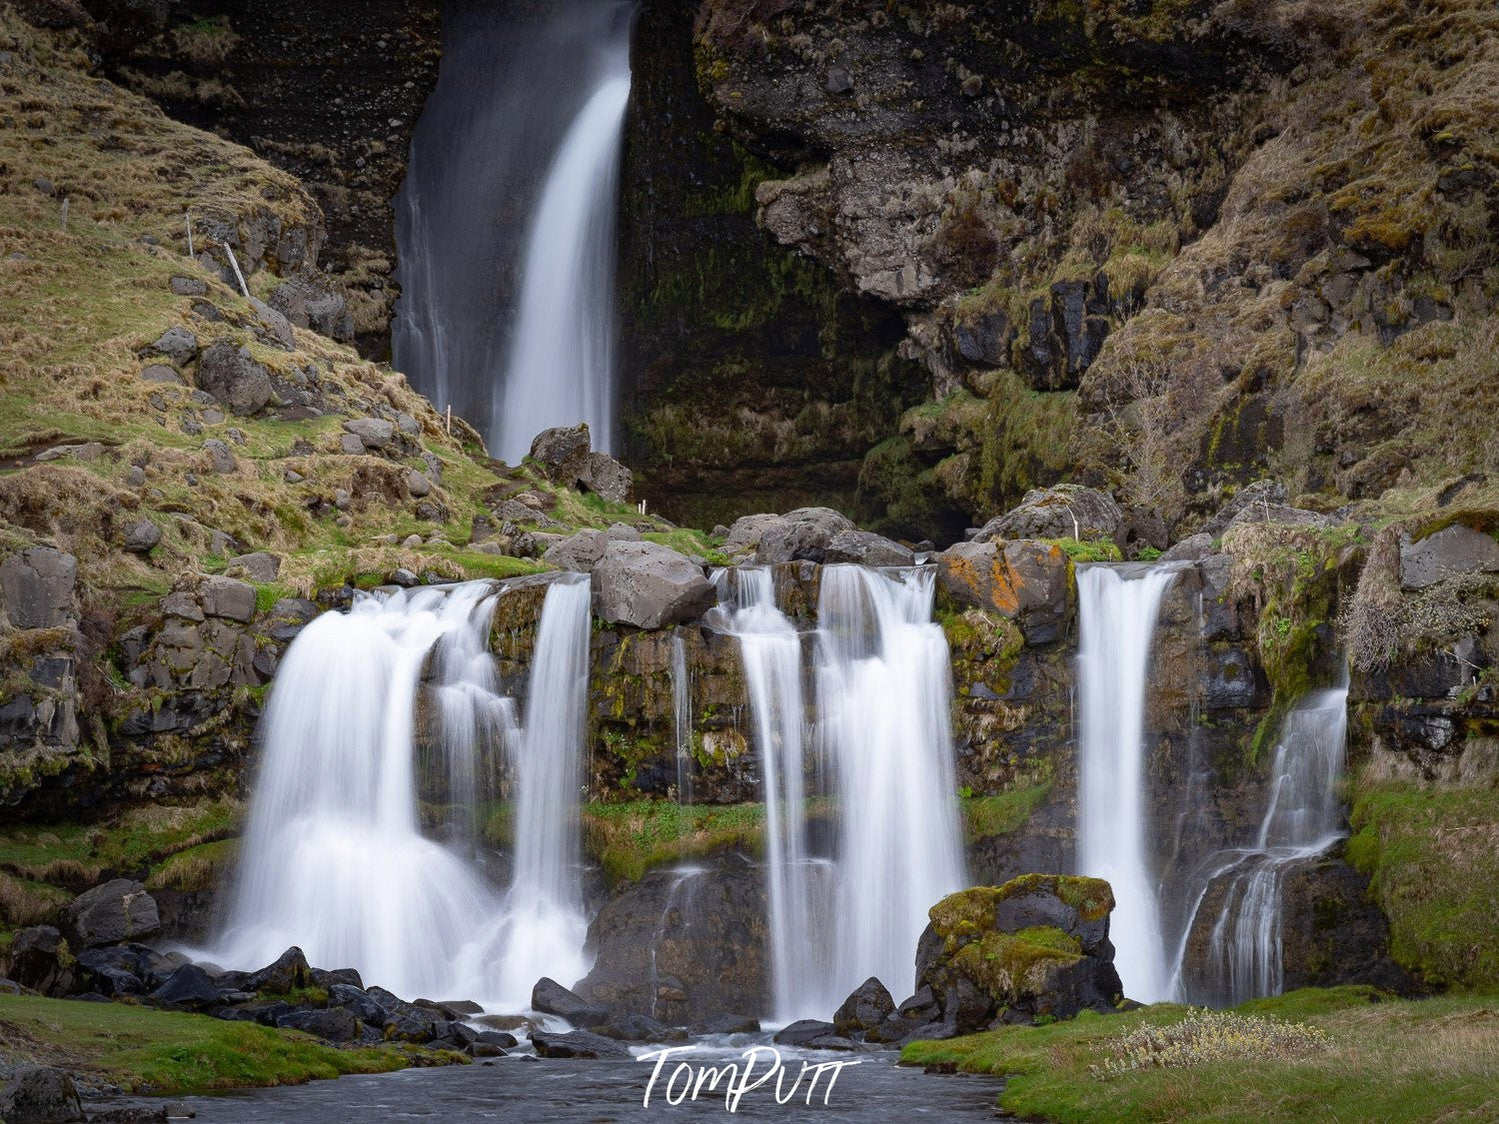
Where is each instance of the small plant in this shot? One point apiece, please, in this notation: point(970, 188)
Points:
point(1210, 1036)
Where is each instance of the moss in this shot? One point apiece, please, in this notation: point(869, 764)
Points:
point(969, 913)
point(629, 839)
point(1014, 965)
point(1002, 814)
point(1097, 550)
point(1026, 437)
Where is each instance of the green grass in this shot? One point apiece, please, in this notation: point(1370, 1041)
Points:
point(629, 839)
point(1001, 814)
point(149, 1051)
point(1099, 550)
point(1386, 1060)
point(1430, 858)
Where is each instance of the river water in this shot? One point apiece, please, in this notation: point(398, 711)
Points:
point(525, 1089)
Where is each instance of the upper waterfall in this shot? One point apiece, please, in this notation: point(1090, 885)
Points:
point(506, 221)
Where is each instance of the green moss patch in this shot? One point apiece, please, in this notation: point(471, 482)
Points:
point(1001, 814)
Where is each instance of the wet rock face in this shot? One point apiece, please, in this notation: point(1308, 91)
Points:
point(682, 948)
point(1038, 945)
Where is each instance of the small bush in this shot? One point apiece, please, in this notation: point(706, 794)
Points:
point(1211, 1036)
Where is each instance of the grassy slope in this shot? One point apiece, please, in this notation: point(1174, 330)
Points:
point(148, 1051)
point(1431, 1059)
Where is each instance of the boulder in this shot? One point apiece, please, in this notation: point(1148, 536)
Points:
point(1064, 511)
point(578, 1044)
point(867, 1006)
point(1036, 946)
point(639, 1028)
point(417, 484)
point(116, 911)
point(308, 304)
point(359, 1001)
point(563, 453)
point(110, 970)
point(1280, 513)
point(177, 344)
point(188, 986)
point(141, 536)
point(332, 1024)
point(220, 459)
point(551, 998)
point(275, 328)
point(1455, 549)
point(1193, 548)
point(727, 1024)
point(36, 587)
point(287, 973)
point(188, 286)
point(39, 1094)
point(744, 536)
point(649, 586)
point(804, 1032)
point(373, 433)
point(260, 566)
point(865, 548)
point(229, 598)
point(1258, 493)
point(232, 376)
point(1023, 581)
point(38, 958)
point(801, 534)
point(579, 552)
point(606, 478)
point(157, 372)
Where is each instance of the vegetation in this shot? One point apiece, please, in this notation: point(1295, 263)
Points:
point(150, 1051)
point(1349, 1053)
point(1002, 813)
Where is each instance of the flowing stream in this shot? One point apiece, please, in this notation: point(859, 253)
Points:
point(505, 222)
point(1117, 609)
point(334, 859)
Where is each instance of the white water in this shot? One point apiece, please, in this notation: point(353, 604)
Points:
point(884, 756)
point(1117, 609)
point(884, 694)
point(334, 860)
point(681, 700)
point(1302, 819)
point(544, 926)
point(561, 368)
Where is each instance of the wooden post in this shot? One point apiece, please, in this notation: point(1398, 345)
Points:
point(450, 419)
point(65, 212)
point(234, 261)
point(187, 218)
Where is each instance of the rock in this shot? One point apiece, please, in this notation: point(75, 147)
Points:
point(562, 454)
point(1065, 511)
point(350, 445)
point(39, 1094)
point(1024, 581)
point(373, 433)
point(866, 549)
point(37, 958)
point(220, 458)
point(110, 970)
point(188, 986)
point(1193, 548)
point(1038, 945)
point(276, 328)
point(803, 1032)
point(308, 304)
point(867, 1006)
point(141, 536)
point(177, 344)
point(579, 552)
point(1279, 513)
point(289, 972)
point(578, 1044)
point(551, 998)
point(36, 587)
point(744, 535)
point(1455, 549)
point(727, 1024)
point(801, 534)
point(839, 81)
point(87, 452)
point(155, 372)
point(359, 1001)
point(235, 380)
point(649, 586)
point(499, 1038)
point(188, 286)
point(607, 478)
point(229, 598)
point(260, 566)
point(1258, 493)
point(116, 911)
point(332, 1024)
point(623, 532)
point(417, 484)
point(639, 1028)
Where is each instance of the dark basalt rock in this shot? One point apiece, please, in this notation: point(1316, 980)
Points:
point(727, 1024)
point(639, 1028)
point(36, 959)
point(804, 1032)
point(867, 1006)
point(333, 1024)
point(578, 1044)
point(551, 998)
point(116, 911)
point(289, 973)
point(188, 986)
point(40, 1094)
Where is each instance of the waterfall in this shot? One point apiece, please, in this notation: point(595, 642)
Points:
point(1302, 819)
point(1117, 609)
point(681, 706)
point(544, 925)
point(505, 221)
point(884, 694)
point(771, 650)
point(332, 859)
point(881, 749)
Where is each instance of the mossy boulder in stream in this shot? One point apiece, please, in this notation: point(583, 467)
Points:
point(1036, 946)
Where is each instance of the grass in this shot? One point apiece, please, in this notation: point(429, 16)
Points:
point(1430, 854)
point(1384, 1060)
point(1001, 814)
point(149, 1051)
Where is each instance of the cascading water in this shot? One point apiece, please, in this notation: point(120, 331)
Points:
point(1117, 609)
point(333, 860)
point(1303, 818)
point(681, 705)
point(544, 925)
point(884, 694)
point(505, 222)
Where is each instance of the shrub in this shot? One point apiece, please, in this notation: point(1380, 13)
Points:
point(1211, 1036)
